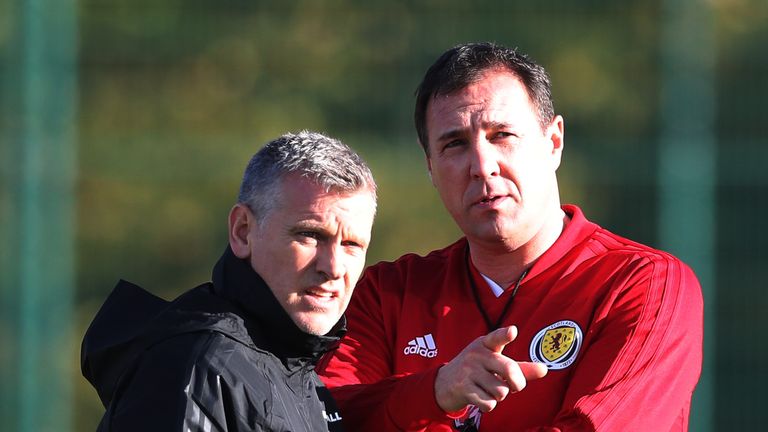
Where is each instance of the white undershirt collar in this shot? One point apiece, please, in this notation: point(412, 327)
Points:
point(495, 288)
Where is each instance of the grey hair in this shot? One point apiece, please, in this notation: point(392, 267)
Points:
point(321, 159)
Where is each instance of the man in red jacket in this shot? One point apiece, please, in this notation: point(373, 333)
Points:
point(537, 319)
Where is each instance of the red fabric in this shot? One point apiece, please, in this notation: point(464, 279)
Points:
point(639, 310)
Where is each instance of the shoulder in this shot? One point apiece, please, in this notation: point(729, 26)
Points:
point(194, 350)
point(614, 267)
point(656, 261)
point(206, 377)
point(413, 265)
point(198, 342)
point(156, 388)
point(651, 281)
point(219, 361)
point(599, 243)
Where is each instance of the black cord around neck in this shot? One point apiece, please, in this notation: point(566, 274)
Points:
point(491, 326)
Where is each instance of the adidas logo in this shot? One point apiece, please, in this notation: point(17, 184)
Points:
point(423, 346)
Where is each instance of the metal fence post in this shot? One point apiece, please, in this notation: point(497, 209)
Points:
point(38, 215)
point(687, 165)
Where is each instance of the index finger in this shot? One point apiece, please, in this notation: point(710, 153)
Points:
point(499, 338)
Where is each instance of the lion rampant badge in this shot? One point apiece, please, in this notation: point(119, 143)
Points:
point(557, 345)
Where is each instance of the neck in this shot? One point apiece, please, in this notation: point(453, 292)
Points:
point(505, 261)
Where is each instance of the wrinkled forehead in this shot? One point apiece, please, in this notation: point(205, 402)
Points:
point(497, 93)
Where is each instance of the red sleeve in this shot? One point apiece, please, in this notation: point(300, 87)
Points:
point(359, 372)
point(640, 371)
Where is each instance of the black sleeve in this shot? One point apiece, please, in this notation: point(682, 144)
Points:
point(157, 395)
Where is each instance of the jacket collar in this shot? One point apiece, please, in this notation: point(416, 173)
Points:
point(270, 326)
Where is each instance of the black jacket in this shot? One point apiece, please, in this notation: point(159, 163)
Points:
point(222, 357)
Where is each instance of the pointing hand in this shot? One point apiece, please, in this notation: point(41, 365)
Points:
point(482, 376)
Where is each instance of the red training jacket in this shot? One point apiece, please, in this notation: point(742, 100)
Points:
point(618, 323)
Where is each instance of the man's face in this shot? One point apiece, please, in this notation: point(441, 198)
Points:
point(310, 249)
point(490, 161)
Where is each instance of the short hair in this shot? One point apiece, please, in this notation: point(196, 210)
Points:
point(465, 64)
point(321, 159)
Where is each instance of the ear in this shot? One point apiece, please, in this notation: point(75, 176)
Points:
point(556, 136)
point(241, 221)
point(429, 169)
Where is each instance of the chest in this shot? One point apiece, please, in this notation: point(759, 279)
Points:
point(296, 401)
point(556, 316)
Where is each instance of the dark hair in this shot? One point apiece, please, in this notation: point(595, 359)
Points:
point(465, 64)
point(323, 160)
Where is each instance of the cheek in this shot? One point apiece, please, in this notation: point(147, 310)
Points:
point(529, 168)
point(355, 266)
point(449, 187)
point(301, 256)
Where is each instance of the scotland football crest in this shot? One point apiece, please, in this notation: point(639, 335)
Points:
point(557, 345)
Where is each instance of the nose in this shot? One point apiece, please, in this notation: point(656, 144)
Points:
point(330, 262)
point(484, 162)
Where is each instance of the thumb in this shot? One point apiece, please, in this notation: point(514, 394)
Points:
point(533, 370)
point(499, 338)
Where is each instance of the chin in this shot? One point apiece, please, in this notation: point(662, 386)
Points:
point(488, 233)
point(316, 326)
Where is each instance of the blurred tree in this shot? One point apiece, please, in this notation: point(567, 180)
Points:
point(176, 95)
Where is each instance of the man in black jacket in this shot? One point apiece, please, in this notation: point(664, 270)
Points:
point(238, 353)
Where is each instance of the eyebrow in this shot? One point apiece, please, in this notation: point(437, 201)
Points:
point(455, 133)
point(496, 125)
point(308, 224)
point(324, 232)
point(304, 224)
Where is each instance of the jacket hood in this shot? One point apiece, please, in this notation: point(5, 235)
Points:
point(238, 304)
point(132, 320)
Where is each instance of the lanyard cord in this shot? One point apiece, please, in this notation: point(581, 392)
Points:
point(479, 304)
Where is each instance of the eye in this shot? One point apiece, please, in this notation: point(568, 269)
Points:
point(308, 236)
point(453, 144)
point(354, 248)
point(352, 244)
point(503, 134)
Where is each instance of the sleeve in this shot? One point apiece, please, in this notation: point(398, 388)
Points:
point(170, 391)
point(640, 371)
point(360, 373)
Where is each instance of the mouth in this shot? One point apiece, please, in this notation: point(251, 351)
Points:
point(321, 294)
point(489, 200)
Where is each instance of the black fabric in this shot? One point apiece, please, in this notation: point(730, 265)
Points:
point(222, 357)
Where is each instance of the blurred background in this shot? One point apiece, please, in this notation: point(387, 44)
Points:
point(125, 126)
